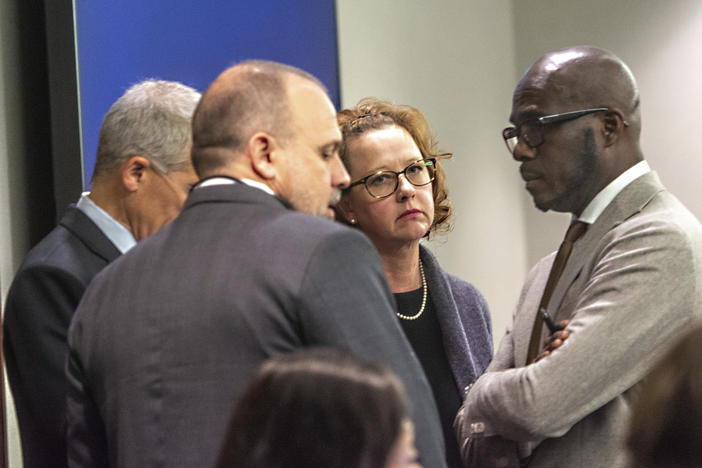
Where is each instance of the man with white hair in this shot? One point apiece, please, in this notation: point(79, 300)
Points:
point(140, 181)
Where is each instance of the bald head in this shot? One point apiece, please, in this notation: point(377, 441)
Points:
point(585, 77)
point(567, 157)
point(250, 97)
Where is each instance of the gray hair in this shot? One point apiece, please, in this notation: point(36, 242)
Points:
point(152, 119)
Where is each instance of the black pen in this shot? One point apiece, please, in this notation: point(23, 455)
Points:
point(548, 320)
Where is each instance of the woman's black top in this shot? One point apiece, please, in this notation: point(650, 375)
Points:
point(424, 334)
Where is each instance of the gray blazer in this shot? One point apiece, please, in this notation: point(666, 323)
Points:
point(167, 336)
point(632, 281)
point(464, 319)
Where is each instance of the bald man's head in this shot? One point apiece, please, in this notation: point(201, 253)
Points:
point(247, 98)
point(585, 77)
point(576, 126)
point(272, 124)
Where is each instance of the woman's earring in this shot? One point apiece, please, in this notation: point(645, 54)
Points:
point(352, 220)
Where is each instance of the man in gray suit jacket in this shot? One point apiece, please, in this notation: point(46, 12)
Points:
point(632, 280)
point(167, 336)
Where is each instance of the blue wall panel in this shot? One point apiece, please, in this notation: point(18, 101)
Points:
point(192, 41)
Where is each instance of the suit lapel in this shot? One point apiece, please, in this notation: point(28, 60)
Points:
point(84, 229)
point(627, 203)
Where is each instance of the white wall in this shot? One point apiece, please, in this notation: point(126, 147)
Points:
point(13, 204)
point(661, 42)
point(454, 61)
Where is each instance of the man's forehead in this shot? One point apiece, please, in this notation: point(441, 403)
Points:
point(527, 101)
point(539, 93)
point(331, 136)
point(308, 95)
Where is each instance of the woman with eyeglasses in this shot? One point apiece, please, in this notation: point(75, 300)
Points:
point(397, 197)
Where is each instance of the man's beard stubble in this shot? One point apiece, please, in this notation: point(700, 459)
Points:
point(579, 184)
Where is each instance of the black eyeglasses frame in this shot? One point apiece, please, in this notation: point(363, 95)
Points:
point(510, 133)
point(431, 161)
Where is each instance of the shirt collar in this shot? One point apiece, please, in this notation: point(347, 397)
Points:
point(228, 181)
point(119, 235)
point(597, 205)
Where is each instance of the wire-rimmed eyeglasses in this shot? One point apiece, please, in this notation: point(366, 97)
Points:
point(382, 184)
point(532, 130)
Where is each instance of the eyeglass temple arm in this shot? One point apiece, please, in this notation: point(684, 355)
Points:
point(570, 115)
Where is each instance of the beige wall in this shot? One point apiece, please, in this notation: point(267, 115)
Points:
point(454, 60)
point(13, 203)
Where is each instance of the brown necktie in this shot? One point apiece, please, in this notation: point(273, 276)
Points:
point(574, 232)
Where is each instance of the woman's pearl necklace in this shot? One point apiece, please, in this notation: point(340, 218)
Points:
point(424, 297)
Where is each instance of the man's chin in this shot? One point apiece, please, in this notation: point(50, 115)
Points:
point(541, 202)
point(542, 206)
point(558, 205)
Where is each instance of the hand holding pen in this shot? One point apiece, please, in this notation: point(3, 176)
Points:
point(558, 334)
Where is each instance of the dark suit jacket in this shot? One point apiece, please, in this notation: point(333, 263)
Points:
point(40, 304)
point(167, 336)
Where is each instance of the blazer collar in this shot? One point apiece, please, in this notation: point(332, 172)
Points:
point(233, 193)
point(458, 352)
point(631, 200)
point(81, 226)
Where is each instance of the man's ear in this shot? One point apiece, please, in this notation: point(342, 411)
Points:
point(263, 150)
point(134, 172)
point(613, 125)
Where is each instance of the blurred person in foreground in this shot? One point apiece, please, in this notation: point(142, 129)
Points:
point(397, 197)
point(627, 277)
point(166, 337)
point(666, 421)
point(141, 178)
point(320, 408)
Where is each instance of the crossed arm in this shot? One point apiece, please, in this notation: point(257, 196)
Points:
point(641, 289)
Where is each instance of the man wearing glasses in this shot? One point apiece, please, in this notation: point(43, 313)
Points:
point(626, 278)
